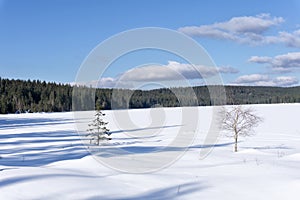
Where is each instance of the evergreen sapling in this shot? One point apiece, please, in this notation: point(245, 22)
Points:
point(97, 130)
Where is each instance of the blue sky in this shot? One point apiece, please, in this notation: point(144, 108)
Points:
point(252, 42)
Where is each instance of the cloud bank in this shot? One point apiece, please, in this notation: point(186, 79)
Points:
point(246, 29)
point(265, 80)
point(289, 62)
point(173, 71)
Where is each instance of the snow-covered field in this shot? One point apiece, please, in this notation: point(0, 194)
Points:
point(42, 157)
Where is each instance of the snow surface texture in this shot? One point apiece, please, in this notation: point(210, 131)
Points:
point(42, 157)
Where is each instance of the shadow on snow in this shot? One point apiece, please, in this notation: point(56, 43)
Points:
point(172, 192)
point(40, 148)
point(27, 122)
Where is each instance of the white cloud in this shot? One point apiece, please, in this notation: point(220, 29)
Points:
point(290, 39)
point(289, 60)
point(246, 29)
point(236, 25)
point(105, 82)
point(265, 80)
point(173, 71)
point(228, 70)
point(281, 63)
point(249, 24)
point(286, 81)
point(252, 78)
point(260, 59)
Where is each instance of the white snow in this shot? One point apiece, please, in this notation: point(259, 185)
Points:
point(43, 157)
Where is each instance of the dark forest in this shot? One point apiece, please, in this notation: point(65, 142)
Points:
point(40, 96)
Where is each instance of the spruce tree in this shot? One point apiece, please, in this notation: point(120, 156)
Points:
point(97, 130)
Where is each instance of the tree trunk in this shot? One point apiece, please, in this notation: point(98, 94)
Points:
point(98, 140)
point(235, 142)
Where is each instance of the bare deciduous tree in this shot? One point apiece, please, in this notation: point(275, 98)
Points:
point(240, 121)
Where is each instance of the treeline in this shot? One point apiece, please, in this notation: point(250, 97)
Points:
point(34, 96)
point(39, 96)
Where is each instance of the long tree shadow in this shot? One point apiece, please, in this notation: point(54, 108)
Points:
point(139, 149)
point(25, 178)
point(144, 129)
point(27, 122)
point(40, 148)
point(172, 192)
point(42, 134)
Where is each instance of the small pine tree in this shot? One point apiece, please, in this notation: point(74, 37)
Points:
point(97, 129)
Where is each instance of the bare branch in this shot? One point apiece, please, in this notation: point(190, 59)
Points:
point(239, 121)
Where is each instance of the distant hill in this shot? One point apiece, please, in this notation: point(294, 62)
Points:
point(39, 96)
